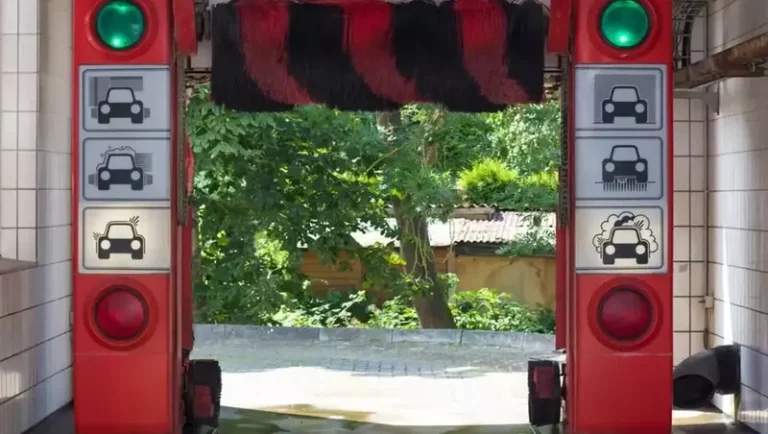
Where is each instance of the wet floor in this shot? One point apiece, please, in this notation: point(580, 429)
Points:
point(273, 387)
point(303, 419)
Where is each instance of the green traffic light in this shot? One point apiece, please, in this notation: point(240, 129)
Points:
point(625, 24)
point(120, 24)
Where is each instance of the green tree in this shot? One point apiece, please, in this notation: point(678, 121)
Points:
point(269, 183)
point(431, 302)
point(304, 178)
point(527, 137)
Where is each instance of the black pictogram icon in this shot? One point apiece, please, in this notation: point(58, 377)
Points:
point(120, 237)
point(123, 166)
point(625, 236)
point(625, 101)
point(120, 102)
point(625, 170)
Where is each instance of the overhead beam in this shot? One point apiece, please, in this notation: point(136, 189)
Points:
point(741, 60)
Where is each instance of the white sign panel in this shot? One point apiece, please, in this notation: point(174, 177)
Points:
point(617, 98)
point(620, 168)
point(125, 99)
point(628, 240)
point(126, 169)
point(125, 239)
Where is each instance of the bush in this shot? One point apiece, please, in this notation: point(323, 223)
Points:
point(533, 243)
point(488, 310)
point(486, 182)
point(537, 241)
point(335, 310)
point(491, 182)
point(475, 310)
point(397, 313)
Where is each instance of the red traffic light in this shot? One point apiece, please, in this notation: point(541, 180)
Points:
point(121, 314)
point(625, 314)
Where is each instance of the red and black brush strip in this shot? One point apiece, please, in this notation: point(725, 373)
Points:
point(467, 55)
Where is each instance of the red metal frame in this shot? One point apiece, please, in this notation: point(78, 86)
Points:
point(187, 256)
point(561, 288)
point(560, 19)
point(118, 390)
point(184, 29)
point(613, 388)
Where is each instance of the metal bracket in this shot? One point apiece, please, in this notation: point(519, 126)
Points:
point(710, 98)
point(709, 302)
point(203, 21)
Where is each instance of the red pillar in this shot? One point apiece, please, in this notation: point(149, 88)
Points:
point(123, 195)
point(620, 348)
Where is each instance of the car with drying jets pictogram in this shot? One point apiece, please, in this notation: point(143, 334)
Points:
point(121, 238)
point(625, 163)
point(625, 242)
point(120, 169)
point(625, 101)
point(120, 102)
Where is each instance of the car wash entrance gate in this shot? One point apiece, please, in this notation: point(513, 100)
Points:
point(132, 315)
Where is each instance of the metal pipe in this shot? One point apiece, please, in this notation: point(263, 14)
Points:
point(737, 61)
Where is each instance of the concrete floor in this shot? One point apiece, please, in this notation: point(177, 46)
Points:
point(317, 387)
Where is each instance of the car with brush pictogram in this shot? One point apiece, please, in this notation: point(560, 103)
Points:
point(625, 163)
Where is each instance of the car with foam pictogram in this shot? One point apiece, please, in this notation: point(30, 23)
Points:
point(625, 242)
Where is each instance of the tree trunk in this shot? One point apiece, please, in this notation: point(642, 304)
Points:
point(432, 306)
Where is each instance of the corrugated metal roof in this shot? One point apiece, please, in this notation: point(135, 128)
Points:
point(502, 229)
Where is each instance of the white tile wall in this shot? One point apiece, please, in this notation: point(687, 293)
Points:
point(738, 212)
point(689, 234)
point(19, 83)
point(35, 210)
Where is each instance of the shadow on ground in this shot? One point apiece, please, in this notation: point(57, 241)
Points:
point(309, 419)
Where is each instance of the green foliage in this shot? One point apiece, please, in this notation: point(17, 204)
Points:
point(397, 313)
point(491, 182)
point(336, 310)
point(223, 294)
point(267, 184)
point(488, 310)
point(472, 310)
point(486, 182)
point(533, 243)
point(536, 240)
point(460, 138)
point(306, 177)
point(518, 170)
point(527, 137)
